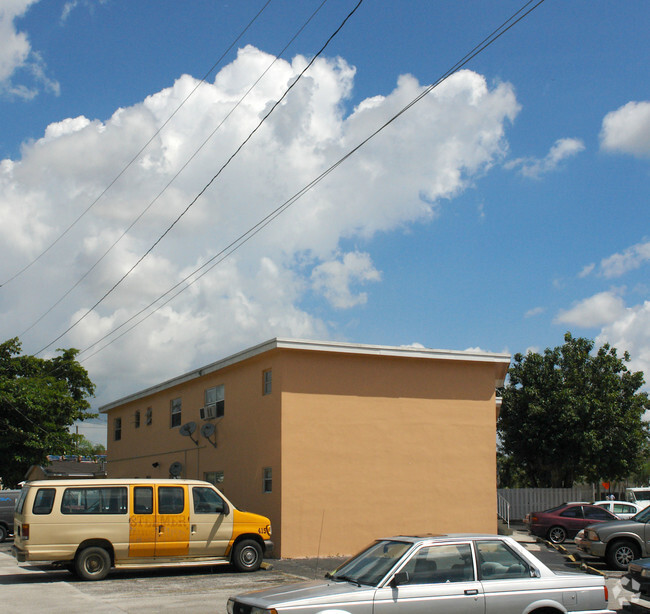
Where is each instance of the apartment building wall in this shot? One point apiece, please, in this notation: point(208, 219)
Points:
point(247, 437)
point(360, 443)
point(379, 446)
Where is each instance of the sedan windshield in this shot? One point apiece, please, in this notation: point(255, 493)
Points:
point(372, 564)
point(643, 515)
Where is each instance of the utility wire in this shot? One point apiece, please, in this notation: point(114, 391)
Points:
point(137, 155)
point(232, 156)
point(250, 233)
point(182, 168)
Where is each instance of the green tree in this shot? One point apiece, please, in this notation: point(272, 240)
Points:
point(39, 400)
point(573, 415)
point(84, 447)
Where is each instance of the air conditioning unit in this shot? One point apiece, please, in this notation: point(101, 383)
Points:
point(210, 411)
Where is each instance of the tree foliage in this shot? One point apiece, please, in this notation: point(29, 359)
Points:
point(572, 415)
point(39, 400)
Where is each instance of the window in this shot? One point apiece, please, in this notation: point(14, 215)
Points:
point(171, 500)
point(621, 508)
point(175, 413)
point(572, 512)
point(214, 477)
point(109, 500)
point(207, 501)
point(215, 403)
point(137, 419)
point(149, 416)
point(43, 501)
point(440, 564)
point(267, 382)
point(143, 500)
point(498, 562)
point(597, 513)
point(117, 429)
point(267, 480)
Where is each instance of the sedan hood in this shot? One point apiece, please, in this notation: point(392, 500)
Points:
point(314, 592)
point(616, 525)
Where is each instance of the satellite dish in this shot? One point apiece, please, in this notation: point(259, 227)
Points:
point(187, 429)
point(175, 469)
point(207, 429)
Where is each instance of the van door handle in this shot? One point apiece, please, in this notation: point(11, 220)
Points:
point(193, 529)
point(471, 591)
point(161, 529)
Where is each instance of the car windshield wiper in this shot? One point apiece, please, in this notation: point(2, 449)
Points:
point(343, 579)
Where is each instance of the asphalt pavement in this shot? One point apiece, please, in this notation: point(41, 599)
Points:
point(26, 589)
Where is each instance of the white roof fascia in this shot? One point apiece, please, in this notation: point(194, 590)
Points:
point(318, 346)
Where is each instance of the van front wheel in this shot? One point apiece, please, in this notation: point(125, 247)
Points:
point(247, 555)
point(92, 563)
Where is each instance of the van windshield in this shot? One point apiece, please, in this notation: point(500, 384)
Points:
point(638, 495)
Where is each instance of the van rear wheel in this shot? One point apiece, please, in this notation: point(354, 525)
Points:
point(3, 532)
point(247, 555)
point(92, 563)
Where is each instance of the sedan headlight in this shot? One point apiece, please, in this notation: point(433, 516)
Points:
point(645, 573)
point(254, 610)
point(592, 536)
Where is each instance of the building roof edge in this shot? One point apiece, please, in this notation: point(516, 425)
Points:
point(502, 361)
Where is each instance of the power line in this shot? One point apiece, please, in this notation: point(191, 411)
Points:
point(232, 156)
point(251, 232)
point(182, 168)
point(137, 155)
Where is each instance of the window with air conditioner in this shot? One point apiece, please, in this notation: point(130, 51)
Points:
point(215, 403)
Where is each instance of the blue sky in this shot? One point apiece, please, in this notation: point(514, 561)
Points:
point(506, 207)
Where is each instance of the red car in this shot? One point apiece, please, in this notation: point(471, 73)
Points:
point(564, 521)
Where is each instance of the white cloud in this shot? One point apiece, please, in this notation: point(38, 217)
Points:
point(619, 264)
point(536, 311)
point(627, 130)
point(401, 177)
point(587, 270)
point(631, 259)
point(561, 150)
point(631, 332)
point(334, 279)
point(16, 55)
point(601, 309)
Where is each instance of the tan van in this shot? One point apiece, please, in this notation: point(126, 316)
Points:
point(93, 525)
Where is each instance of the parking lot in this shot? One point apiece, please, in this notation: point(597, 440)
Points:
point(197, 589)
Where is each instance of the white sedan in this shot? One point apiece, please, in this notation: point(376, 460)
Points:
point(622, 509)
point(449, 574)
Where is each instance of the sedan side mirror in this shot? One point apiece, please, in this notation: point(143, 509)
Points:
point(401, 577)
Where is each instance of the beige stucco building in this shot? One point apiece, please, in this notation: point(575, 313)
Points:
point(337, 443)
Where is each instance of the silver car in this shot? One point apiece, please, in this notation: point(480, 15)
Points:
point(451, 574)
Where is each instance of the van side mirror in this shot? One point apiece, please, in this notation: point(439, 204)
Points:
point(401, 577)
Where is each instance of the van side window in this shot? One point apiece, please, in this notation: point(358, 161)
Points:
point(207, 501)
point(143, 500)
point(109, 500)
point(171, 500)
point(43, 501)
